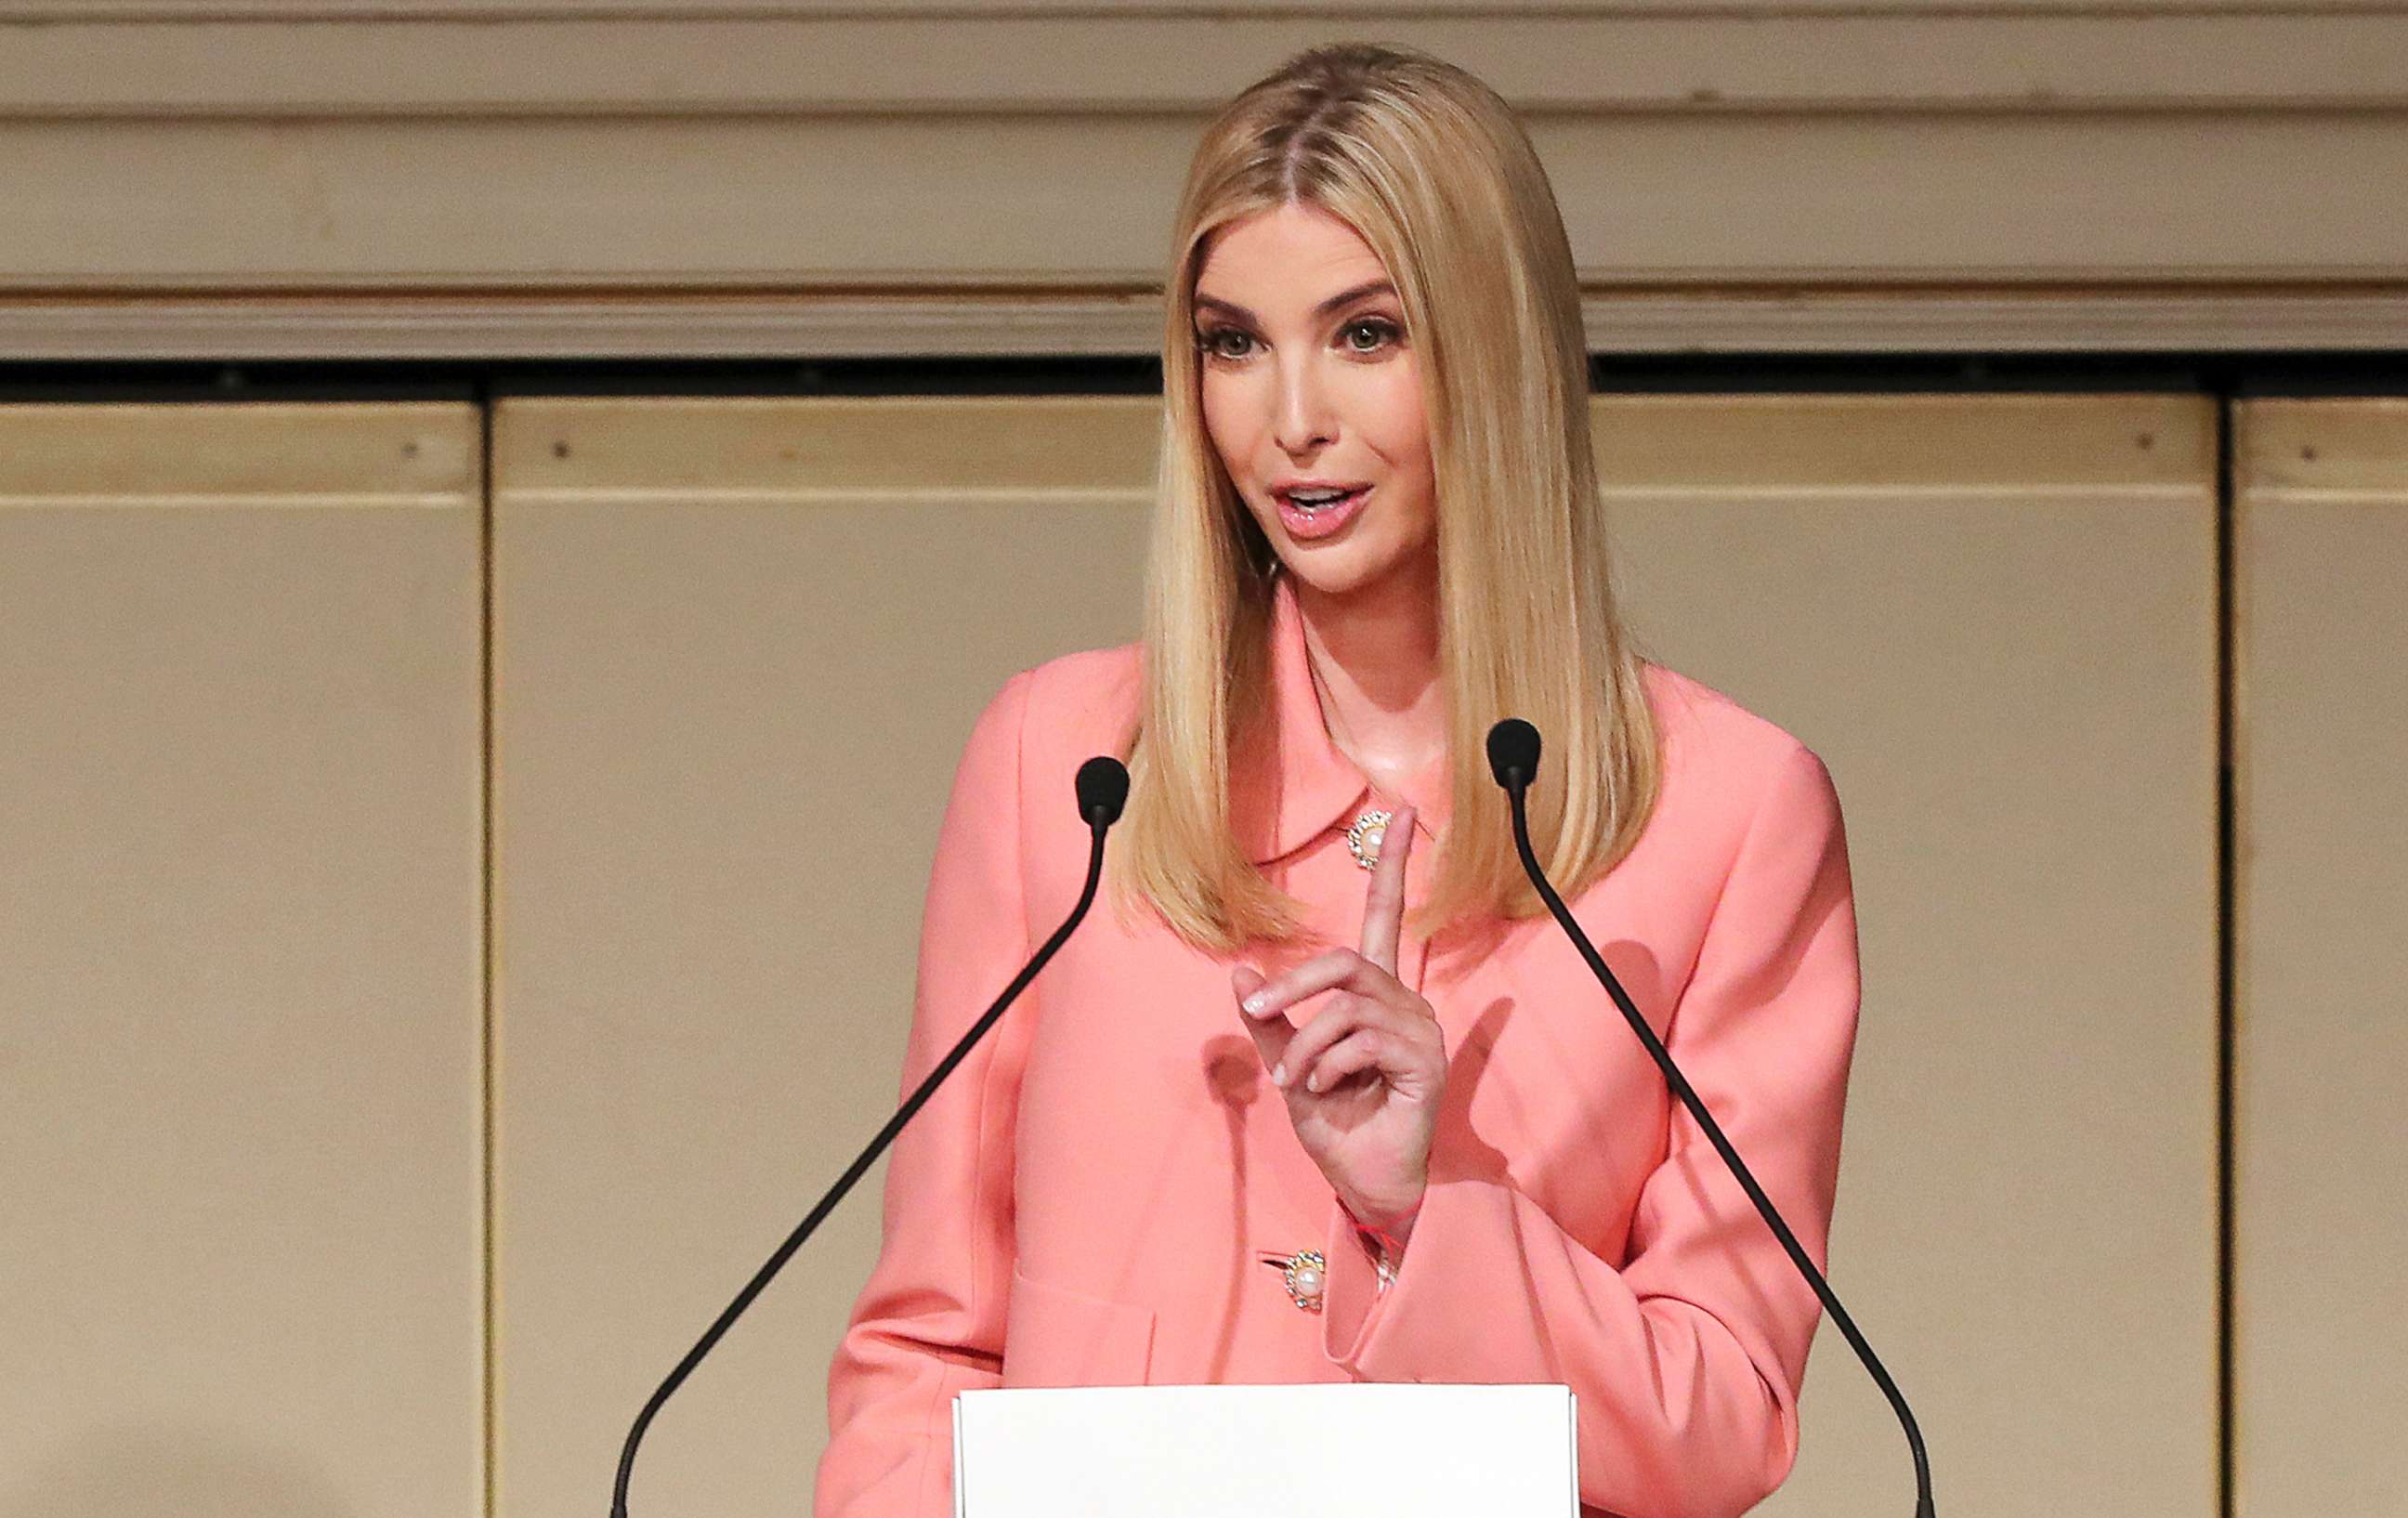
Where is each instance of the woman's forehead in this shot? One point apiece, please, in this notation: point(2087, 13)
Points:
point(1299, 253)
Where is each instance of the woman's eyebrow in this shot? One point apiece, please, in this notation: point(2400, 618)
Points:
point(1344, 297)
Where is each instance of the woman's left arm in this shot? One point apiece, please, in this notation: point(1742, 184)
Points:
point(1687, 1358)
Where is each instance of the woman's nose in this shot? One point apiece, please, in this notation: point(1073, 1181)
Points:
point(1303, 423)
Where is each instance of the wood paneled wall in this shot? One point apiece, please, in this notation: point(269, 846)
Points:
point(737, 647)
point(1994, 616)
point(241, 1009)
point(2320, 1052)
point(286, 1109)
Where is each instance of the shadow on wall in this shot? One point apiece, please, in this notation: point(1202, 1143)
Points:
point(154, 1473)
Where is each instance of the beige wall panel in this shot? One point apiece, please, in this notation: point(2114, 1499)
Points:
point(708, 611)
point(739, 645)
point(1074, 201)
point(2320, 1059)
point(1994, 618)
point(241, 1010)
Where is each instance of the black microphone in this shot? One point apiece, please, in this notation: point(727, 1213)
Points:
point(1103, 789)
point(1513, 760)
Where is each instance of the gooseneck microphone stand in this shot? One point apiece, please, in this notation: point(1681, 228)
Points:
point(1103, 789)
point(1513, 760)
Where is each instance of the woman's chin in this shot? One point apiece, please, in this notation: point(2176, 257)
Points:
point(1339, 574)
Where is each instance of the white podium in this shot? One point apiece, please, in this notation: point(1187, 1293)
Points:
point(1399, 1451)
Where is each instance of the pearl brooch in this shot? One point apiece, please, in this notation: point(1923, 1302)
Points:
point(1370, 831)
point(1304, 1274)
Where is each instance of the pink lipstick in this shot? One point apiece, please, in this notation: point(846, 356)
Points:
point(1313, 509)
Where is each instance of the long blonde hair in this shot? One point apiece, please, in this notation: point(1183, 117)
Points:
point(1431, 168)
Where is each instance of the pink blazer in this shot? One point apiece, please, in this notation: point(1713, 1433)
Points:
point(1088, 1199)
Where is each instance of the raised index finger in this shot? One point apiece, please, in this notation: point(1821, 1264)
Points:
point(1383, 902)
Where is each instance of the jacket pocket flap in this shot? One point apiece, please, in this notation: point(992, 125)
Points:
point(1053, 1337)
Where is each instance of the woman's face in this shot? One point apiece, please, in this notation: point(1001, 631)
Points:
point(1313, 401)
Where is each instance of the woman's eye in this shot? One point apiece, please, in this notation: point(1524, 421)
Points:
point(1370, 334)
point(1224, 342)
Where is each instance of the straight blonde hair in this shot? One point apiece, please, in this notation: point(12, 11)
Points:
point(1431, 168)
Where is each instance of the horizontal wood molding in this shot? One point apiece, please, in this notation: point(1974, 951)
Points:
point(1042, 447)
point(2149, 447)
point(2327, 450)
point(633, 325)
point(260, 180)
point(508, 61)
point(242, 454)
point(1369, 10)
point(891, 203)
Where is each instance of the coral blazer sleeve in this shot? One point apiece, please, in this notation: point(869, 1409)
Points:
point(930, 1320)
point(1687, 1357)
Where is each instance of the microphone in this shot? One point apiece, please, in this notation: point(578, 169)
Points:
point(1514, 761)
point(1102, 787)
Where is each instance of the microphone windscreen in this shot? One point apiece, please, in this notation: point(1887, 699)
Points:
point(1103, 789)
point(1513, 747)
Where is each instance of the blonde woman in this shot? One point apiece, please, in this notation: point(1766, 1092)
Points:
point(1328, 1097)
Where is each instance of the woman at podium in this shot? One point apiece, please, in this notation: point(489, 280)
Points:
point(1326, 1096)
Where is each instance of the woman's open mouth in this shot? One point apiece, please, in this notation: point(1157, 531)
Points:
point(1317, 511)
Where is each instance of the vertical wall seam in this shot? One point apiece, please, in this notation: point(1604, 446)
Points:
point(2227, 931)
point(489, 1379)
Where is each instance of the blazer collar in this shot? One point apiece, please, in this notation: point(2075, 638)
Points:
point(1311, 787)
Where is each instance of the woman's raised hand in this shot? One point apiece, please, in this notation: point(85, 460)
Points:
point(1364, 1074)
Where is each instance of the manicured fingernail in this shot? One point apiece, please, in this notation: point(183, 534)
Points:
point(1254, 1005)
point(1278, 1075)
